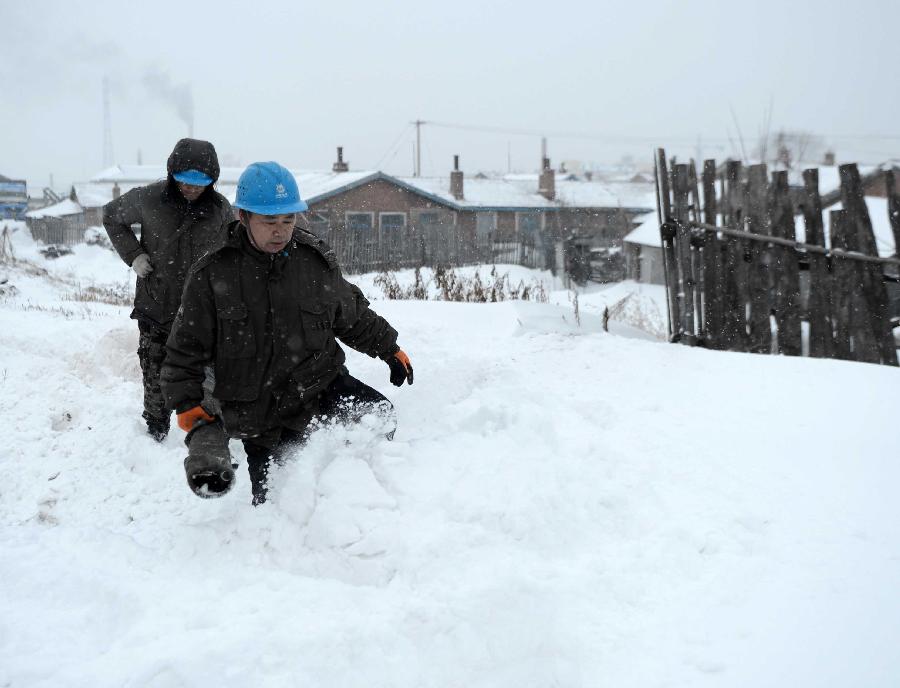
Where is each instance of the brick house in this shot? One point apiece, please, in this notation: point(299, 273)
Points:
point(375, 220)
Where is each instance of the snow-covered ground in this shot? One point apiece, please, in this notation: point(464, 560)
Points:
point(561, 507)
point(632, 306)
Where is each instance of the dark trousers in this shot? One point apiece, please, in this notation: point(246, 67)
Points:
point(345, 400)
point(151, 352)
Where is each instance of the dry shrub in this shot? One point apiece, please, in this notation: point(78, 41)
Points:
point(113, 296)
point(454, 287)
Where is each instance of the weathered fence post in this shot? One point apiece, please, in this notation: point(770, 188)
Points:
point(714, 269)
point(680, 211)
point(735, 268)
point(699, 241)
point(667, 236)
point(785, 268)
point(863, 239)
point(819, 302)
point(893, 208)
point(853, 322)
point(842, 287)
point(760, 307)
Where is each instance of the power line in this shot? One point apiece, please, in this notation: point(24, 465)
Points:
point(392, 146)
point(615, 138)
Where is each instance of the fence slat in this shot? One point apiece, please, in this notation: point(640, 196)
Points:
point(842, 285)
point(759, 274)
point(670, 264)
point(785, 268)
point(714, 269)
point(680, 212)
point(736, 294)
point(698, 263)
point(873, 290)
point(819, 302)
point(893, 208)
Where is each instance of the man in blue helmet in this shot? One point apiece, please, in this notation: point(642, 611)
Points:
point(181, 218)
point(265, 311)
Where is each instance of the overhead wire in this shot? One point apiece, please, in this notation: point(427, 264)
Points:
point(392, 146)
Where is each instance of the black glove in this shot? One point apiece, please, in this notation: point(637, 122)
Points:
point(209, 476)
point(401, 368)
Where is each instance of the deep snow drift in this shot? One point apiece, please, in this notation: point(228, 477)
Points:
point(562, 507)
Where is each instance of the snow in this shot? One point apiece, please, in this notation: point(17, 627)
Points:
point(646, 233)
point(562, 506)
point(506, 192)
point(878, 214)
point(61, 209)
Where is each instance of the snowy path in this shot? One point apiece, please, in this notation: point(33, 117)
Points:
point(549, 515)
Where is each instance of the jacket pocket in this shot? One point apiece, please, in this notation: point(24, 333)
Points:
point(317, 326)
point(309, 378)
point(236, 338)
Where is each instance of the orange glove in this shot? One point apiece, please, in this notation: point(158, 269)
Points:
point(189, 418)
point(401, 368)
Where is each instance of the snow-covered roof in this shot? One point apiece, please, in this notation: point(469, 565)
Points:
point(518, 191)
point(646, 233)
point(482, 193)
point(66, 207)
point(94, 195)
point(878, 214)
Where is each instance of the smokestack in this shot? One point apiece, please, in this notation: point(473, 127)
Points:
point(340, 165)
point(547, 181)
point(116, 190)
point(456, 180)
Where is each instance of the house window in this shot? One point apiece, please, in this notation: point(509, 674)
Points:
point(319, 223)
point(530, 222)
point(360, 221)
point(485, 223)
point(392, 222)
point(429, 218)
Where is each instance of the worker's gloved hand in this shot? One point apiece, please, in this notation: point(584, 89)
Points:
point(401, 368)
point(209, 476)
point(141, 265)
point(187, 419)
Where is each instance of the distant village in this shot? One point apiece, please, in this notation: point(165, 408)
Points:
point(590, 225)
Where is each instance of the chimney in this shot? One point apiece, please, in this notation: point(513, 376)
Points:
point(456, 180)
point(547, 181)
point(340, 165)
point(116, 190)
point(829, 158)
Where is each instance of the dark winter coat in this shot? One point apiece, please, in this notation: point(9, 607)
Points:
point(268, 325)
point(174, 233)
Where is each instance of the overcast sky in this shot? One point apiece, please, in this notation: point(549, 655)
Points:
point(290, 81)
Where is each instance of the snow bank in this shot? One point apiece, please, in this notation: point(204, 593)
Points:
point(562, 506)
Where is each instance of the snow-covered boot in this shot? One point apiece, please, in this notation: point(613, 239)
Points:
point(158, 429)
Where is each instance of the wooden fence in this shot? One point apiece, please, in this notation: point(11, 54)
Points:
point(414, 247)
point(67, 231)
point(733, 266)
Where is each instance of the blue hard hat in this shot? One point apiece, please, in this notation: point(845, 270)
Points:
point(267, 188)
point(193, 177)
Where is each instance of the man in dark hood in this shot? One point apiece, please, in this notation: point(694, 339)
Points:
point(181, 218)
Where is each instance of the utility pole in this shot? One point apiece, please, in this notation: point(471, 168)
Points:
point(418, 123)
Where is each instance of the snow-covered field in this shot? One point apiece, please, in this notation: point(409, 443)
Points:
point(561, 507)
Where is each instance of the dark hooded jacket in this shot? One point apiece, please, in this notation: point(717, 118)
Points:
point(267, 324)
point(174, 233)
